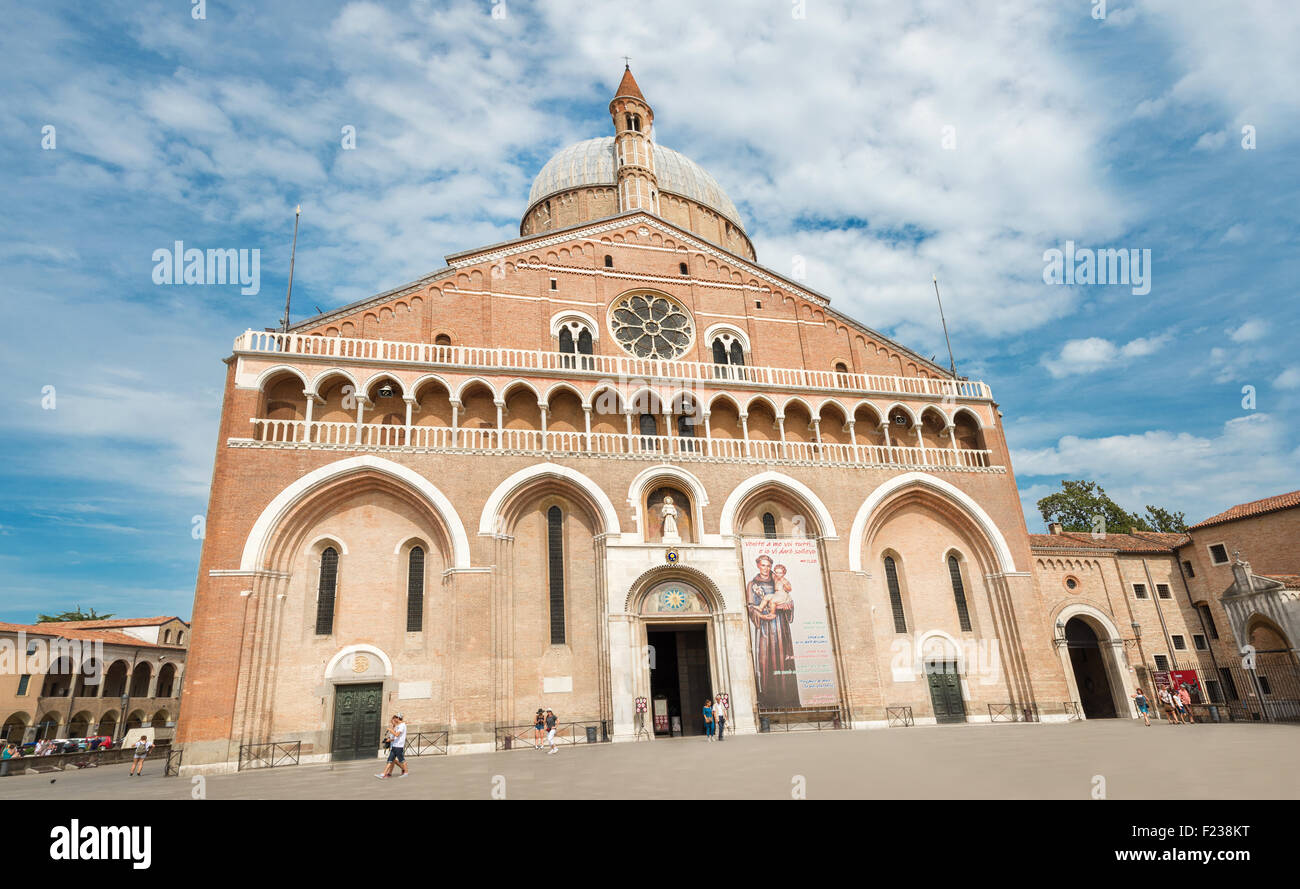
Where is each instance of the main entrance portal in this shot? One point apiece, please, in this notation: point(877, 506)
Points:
point(1089, 670)
point(679, 678)
point(356, 720)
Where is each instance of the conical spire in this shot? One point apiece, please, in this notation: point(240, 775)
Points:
point(627, 86)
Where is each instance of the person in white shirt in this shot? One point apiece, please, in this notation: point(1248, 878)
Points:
point(396, 748)
point(720, 714)
point(1171, 711)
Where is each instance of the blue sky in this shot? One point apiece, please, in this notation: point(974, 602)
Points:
point(826, 130)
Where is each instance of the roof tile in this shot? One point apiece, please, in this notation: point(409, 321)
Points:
point(1253, 508)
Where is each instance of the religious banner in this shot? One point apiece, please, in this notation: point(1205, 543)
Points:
point(794, 665)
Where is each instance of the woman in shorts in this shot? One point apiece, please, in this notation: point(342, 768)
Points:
point(1144, 706)
point(137, 757)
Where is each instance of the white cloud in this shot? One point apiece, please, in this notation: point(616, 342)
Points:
point(1252, 456)
point(1211, 141)
point(1249, 331)
point(1289, 378)
point(1094, 353)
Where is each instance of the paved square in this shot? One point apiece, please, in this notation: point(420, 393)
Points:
point(960, 762)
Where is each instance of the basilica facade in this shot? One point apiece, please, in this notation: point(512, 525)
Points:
point(614, 467)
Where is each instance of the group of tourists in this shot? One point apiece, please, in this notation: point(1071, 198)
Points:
point(715, 718)
point(1176, 703)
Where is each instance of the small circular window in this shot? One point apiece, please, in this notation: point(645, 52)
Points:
point(1071, 584)
point(648, 325)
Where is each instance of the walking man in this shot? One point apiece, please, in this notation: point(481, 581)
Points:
point(720, 713)
point(550, 731)
point(396, 747)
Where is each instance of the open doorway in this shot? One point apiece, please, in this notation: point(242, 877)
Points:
point(680, 679)
point(1090, 677)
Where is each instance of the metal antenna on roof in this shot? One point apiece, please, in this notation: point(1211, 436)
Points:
point(297, 211)
point(952, 365)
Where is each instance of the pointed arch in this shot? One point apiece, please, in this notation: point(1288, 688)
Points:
point(259, 538)
point(328, 375)
point(941, 488)
point(493, 509)
point(474, 381)
point(727, 522)
point(265, 376)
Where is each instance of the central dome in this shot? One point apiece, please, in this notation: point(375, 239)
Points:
point(609, 176)
point(591, 162)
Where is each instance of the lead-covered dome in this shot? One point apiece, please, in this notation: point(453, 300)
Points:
point(591, 163)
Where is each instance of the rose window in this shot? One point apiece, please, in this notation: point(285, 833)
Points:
point(651, 326)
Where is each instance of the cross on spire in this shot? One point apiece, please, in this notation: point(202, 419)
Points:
point(627, 63)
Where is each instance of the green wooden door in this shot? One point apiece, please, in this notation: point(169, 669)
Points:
point(945, 691)
point(356, 721)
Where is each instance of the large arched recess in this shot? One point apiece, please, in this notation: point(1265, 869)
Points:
point(532, 480)
point(944, 496)
point(731, 520)
point(273, 541)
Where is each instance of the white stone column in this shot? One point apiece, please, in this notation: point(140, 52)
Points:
point(586, 419)
point(708, 434)
point(455, 421)
point(744, 431)
point(311, 403)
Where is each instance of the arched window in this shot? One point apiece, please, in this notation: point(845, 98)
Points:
point(442, 340)
point(575, 337)
point(769, 525)
point(895, 595)
point(180, 636)
point(959, 593)
point(683, 268)
point(415, 591)
point(648, 427)
point(329, 575)
point(609, 261)
point(555, 571)
point(728, 352)
point(167, 637)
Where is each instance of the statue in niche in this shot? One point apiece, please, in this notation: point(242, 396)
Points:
point(668, 513)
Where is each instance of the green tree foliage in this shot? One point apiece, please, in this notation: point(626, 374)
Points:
point(1085, 507)
point(70, 616)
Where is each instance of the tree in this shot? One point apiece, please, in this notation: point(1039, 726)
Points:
point(70, 616)
point(1084, 506)
point(1164, 520)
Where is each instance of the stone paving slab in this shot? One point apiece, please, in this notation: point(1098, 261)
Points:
point(922, 762)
